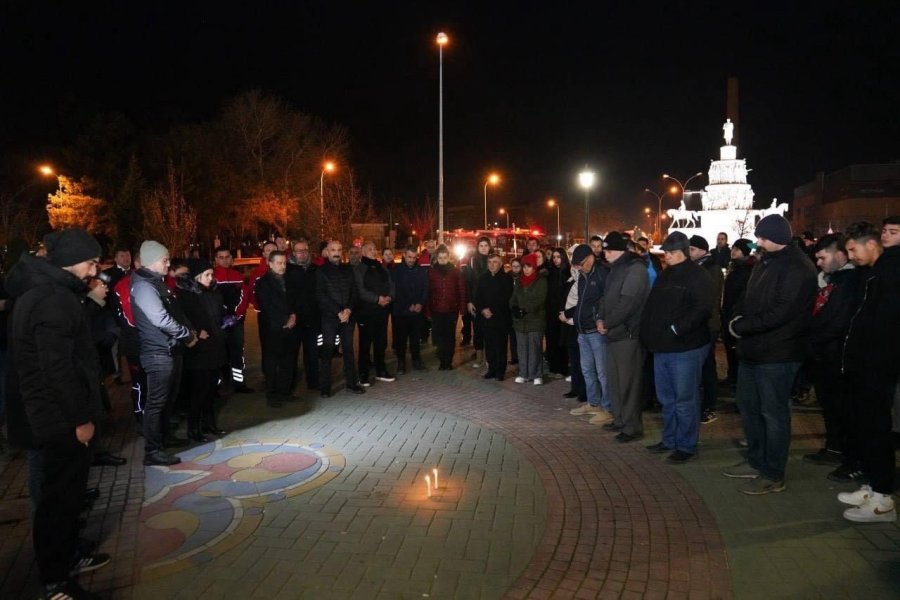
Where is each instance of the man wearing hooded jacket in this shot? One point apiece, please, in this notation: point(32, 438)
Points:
point(54, 395)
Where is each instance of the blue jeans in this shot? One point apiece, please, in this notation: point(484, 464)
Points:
point(677, 376)
point(764, 399)
point(593, 366)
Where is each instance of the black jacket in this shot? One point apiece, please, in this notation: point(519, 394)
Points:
point(372, 281)
point(335, 289)
point(591, 288)
point(718, 281)
point(828, 326)
point(721, 256)
point(870, 348)
point(494, 292)
point(410, 287)
point(774, 316)
point(735, 286)
point(301, 285)
point(676, 315)
point(54, 370)
point(275, 304)
point(205, 309)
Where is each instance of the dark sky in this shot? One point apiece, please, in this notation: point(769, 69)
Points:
point(534, 90)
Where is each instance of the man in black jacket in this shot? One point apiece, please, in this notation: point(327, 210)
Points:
point(721, 254)
point(336, 295)
point(277, 317)
point(701, 255)
point(733, 289)
point(375, 291)
point(675, 328)
point(772, 329)
point(836, 301)
point(871, 365)
point(491, 298)
point(56, 391)
point(411, 289)
point(301, 282)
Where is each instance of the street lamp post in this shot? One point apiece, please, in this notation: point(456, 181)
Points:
point(659, 198)
point(503, 211)
point(328, 167)
point(493, 179)
point(442, 40)
point(586, 179)
point(684, 185)
point(551, 203)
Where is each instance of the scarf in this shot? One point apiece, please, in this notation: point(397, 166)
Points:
point(527, 280)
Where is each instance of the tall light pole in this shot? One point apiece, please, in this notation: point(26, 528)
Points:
point(441, 40)
point(328, 167)
point(503, 211)
point(684, 185)
point(586, 179)
point(493, 179)
point(551, 203)
point(659, 198)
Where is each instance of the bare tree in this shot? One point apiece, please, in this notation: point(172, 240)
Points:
point(345, 204)
point(168, 218)
point(421, 218)
point(744, 224)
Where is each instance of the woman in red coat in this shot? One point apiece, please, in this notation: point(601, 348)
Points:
point(446, 301)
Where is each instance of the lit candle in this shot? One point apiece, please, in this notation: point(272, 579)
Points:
point(434, 470)
point(428, 485)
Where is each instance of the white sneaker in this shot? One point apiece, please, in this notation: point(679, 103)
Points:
point(538, 381)
point(520, 380)
point(857, 498)
point(569, 378)
point(879, 508)
point(586, 409)
point(477, 365)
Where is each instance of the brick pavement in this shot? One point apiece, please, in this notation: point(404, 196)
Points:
point(538, 504)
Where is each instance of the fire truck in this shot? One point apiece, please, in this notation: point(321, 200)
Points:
point(507, 242)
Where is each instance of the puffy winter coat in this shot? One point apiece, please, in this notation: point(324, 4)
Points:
point(160, 322)
point(410, 287)
point(205, 308)
point(335, 289)
point(531, 302)
point(446, 290)
point(676, 315)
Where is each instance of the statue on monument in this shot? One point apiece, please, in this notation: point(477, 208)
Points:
point(728, 128)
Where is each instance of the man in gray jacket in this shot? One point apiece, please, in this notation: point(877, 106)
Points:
point(619, 319)
point(161, 326)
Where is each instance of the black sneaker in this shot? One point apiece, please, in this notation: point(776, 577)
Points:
point(708, 417)
point(624, 438)
point(825, 457)
point(88, 563)
point(325, 393)
point(66, 590)
point(611, 426)
point(161, 459)
point(356, 389)
point(171, 441)
point(848, 474)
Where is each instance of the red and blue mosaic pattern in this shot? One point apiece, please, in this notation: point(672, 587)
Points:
point(216, 497)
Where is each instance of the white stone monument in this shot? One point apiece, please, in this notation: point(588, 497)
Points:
point(727, 202)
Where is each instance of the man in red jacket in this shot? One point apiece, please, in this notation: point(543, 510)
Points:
point(236, 294)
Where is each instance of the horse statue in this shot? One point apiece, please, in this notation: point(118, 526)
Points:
point(775, 209)
point(687, 217)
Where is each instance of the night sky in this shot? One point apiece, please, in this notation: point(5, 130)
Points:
point(632, 89)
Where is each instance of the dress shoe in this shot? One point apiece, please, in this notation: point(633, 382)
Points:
point(356, 389)
point(243, 389)
point(488, 375)
point(680, 457)
point(624, 438)
point(570, 395)
point(325, 393)
point(612, 426)
point(170, 441)
point(105, 459)
point(212, 430)
point(161, 458)
point(197, 436)
point(659, 448)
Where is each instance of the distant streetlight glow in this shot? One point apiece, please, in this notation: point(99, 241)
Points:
point(493, 179)
point(46, 170)
point(587, 179)
point(553, 203)
point(327, 167)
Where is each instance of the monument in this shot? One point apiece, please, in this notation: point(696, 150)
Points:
point(726, 204)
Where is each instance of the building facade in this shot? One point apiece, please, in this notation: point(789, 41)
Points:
point(854, 193)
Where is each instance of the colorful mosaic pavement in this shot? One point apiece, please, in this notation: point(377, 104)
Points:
point(215, 498)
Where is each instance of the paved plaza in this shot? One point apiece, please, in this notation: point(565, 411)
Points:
point(328, 499)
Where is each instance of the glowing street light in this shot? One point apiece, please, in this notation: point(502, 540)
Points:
point(46, 170)
point(503, 211)
point(684, 185)
point(329, 168)
point(493, 179)
point(442, 41)
point(551, 203)
point(586, 180)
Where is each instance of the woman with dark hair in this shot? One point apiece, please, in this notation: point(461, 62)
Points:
point(477, 268)
point(558, 273)
point(205, 309)
point(515, 271)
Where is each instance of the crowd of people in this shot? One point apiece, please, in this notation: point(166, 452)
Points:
point(624, 328)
